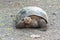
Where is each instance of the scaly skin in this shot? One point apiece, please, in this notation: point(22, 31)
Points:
point(33, 22)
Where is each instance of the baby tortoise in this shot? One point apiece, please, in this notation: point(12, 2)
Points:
point(32, 17)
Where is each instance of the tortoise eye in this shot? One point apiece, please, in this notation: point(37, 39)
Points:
point(22, 19)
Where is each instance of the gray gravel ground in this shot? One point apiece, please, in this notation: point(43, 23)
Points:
point(12, 7)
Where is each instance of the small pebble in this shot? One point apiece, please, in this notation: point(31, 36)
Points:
point(54, 14)
point(50, 6)
point(11, 15)
point(35, 36)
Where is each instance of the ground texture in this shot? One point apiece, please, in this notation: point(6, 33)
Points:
point(9, 10)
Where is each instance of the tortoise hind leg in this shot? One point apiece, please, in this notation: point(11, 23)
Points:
point(42, 24)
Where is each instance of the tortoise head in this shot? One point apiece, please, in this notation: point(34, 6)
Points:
point(27, 20)
point(30, 22)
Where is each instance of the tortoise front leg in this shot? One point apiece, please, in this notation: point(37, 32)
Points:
point(20, 24)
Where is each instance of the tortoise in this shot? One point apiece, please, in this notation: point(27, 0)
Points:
point(32, 17)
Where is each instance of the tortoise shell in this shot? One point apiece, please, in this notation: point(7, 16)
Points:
point(28, 11)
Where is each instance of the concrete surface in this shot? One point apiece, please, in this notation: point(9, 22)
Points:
point(10, 8)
